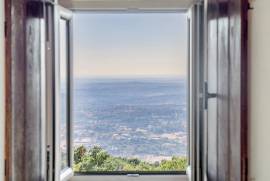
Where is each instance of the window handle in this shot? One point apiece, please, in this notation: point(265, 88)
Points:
point(208, 95)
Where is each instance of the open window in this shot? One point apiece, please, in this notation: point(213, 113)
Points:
point(131, 115)
point(63, 96)
point(130, 92)
point(222, 133)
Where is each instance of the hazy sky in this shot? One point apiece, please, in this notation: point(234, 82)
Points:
point(129, 44)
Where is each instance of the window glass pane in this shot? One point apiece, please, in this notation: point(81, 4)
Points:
point(64, 94)
point(130, 92)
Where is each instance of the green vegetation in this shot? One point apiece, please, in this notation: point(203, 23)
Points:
point(97, 159)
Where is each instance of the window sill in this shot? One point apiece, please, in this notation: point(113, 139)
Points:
point(188, 172)
point(66, 175)
point(126, 178)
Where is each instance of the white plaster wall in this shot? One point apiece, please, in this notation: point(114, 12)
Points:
point(123, 4)
point(2, 111)
point(259, 91)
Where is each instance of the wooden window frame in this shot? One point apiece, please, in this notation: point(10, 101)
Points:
point(24, 159)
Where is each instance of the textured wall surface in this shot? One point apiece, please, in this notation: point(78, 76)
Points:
point(259, 91)
point(120, 4)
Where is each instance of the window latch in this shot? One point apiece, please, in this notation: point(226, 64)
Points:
point(207, 95)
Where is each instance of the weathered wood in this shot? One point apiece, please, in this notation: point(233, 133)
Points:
point(24, 133)
point(15, 53)
point(33, 121)
point(244, 6)
point(238, 90)
point(211, 44)
point(223, 88)
point(230, 143)
point(8, 155)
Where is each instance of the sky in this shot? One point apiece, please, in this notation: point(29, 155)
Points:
point(131, 44)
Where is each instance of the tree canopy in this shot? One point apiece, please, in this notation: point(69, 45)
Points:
point(97, 159)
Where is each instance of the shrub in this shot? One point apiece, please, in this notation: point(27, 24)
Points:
point(97, 159)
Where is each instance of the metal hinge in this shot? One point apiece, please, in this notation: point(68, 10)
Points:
point(48, 161)
point(245, 169)
point(5, 169)
point(5, 29)
point(250, 7)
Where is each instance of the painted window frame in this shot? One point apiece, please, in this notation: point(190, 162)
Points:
point(63, 14)
point(144, 173)
point(67, 14)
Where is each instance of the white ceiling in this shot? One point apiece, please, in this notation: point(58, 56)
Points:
point(126, 4)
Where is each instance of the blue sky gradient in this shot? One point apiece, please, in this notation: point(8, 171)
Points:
point(131, 44)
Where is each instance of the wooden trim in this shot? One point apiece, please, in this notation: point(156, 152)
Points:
point(244, 90)
point(238, 90)
point(24, 143)
point(15, 53)
point(8, 157)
